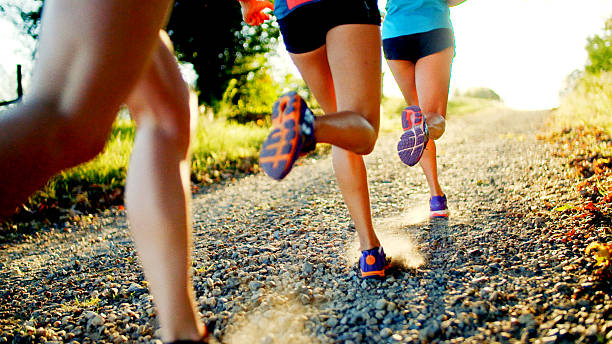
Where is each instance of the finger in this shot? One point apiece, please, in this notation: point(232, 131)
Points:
point(254, 19)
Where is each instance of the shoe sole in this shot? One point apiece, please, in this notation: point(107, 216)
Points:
point(282, 147)
point(377, 273)
point(414, 139)
point(439, 213)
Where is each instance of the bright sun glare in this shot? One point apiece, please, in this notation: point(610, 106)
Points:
point(523, 49)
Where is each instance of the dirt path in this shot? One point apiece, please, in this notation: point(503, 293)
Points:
point(276, 262)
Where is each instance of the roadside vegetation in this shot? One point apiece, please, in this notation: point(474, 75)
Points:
point(581, 130)
point(224, 147)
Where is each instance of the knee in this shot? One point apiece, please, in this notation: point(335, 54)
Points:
point(368, 144)
point(436, 123)
point(368, 140)
point(177, 131)
point(75, 140)
point(173, 125)
point(82, 142)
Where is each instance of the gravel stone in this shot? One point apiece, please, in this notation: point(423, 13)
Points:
point(381, 304)
point(386, 332)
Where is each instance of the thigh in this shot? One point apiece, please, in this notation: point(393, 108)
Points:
point(403, 72)
point(314, 68)
point(92, 53)
point(353, 52)
point(432, 77)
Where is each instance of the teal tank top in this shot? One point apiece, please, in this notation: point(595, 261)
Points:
point(407, 17)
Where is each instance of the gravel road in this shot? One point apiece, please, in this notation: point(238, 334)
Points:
point(276, 262)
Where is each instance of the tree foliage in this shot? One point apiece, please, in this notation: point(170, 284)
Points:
point(250, 95)
point(599, 49)
point(481, 92)
point(209, 34)
point(24, 15)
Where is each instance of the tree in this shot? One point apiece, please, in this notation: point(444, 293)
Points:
point(25, 15)
point(211, 35)
point(482, 92)
point(599, 49)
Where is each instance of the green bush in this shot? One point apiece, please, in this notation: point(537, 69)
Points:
point(250, 100)
point(222, 149)
point(480, 92)
point(599, 49)
point(588, 97)
point(250, 95)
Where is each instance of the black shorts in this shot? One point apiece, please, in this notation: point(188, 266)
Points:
point(305, 29)
point(413, 47)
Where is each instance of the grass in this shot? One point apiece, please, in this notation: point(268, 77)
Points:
point(221, 149)
point(589, 104)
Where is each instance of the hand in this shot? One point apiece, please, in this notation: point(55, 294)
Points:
point(253, 11)
point(452, 3)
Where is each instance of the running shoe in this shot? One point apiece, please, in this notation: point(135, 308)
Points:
point(373, 263)
point(437, 206)
point(292, 135)
point(414, 139)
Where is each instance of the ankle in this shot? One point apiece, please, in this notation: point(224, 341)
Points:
point(369, 245)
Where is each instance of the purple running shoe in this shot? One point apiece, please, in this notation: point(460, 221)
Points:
point(438, 207)
point(373, 263)
point(292, 135)
point(414, 139)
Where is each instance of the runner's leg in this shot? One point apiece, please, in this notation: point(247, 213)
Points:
point(403, 73)
point(338, 127)
point(354, 58)
point(432, 77)
point(91, 56)
point(356, 124)
point(431, 94)
point(158, 191)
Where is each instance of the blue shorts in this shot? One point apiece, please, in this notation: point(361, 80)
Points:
point(305, 28)
point(418, 45)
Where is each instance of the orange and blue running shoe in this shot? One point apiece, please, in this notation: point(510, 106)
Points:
point(438, 207)
point(292, 135)
point(414, 139)
point(373, 263)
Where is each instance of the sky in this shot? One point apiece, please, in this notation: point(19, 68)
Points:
point(12, 53)
point(522, 49)
point(15, 48)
